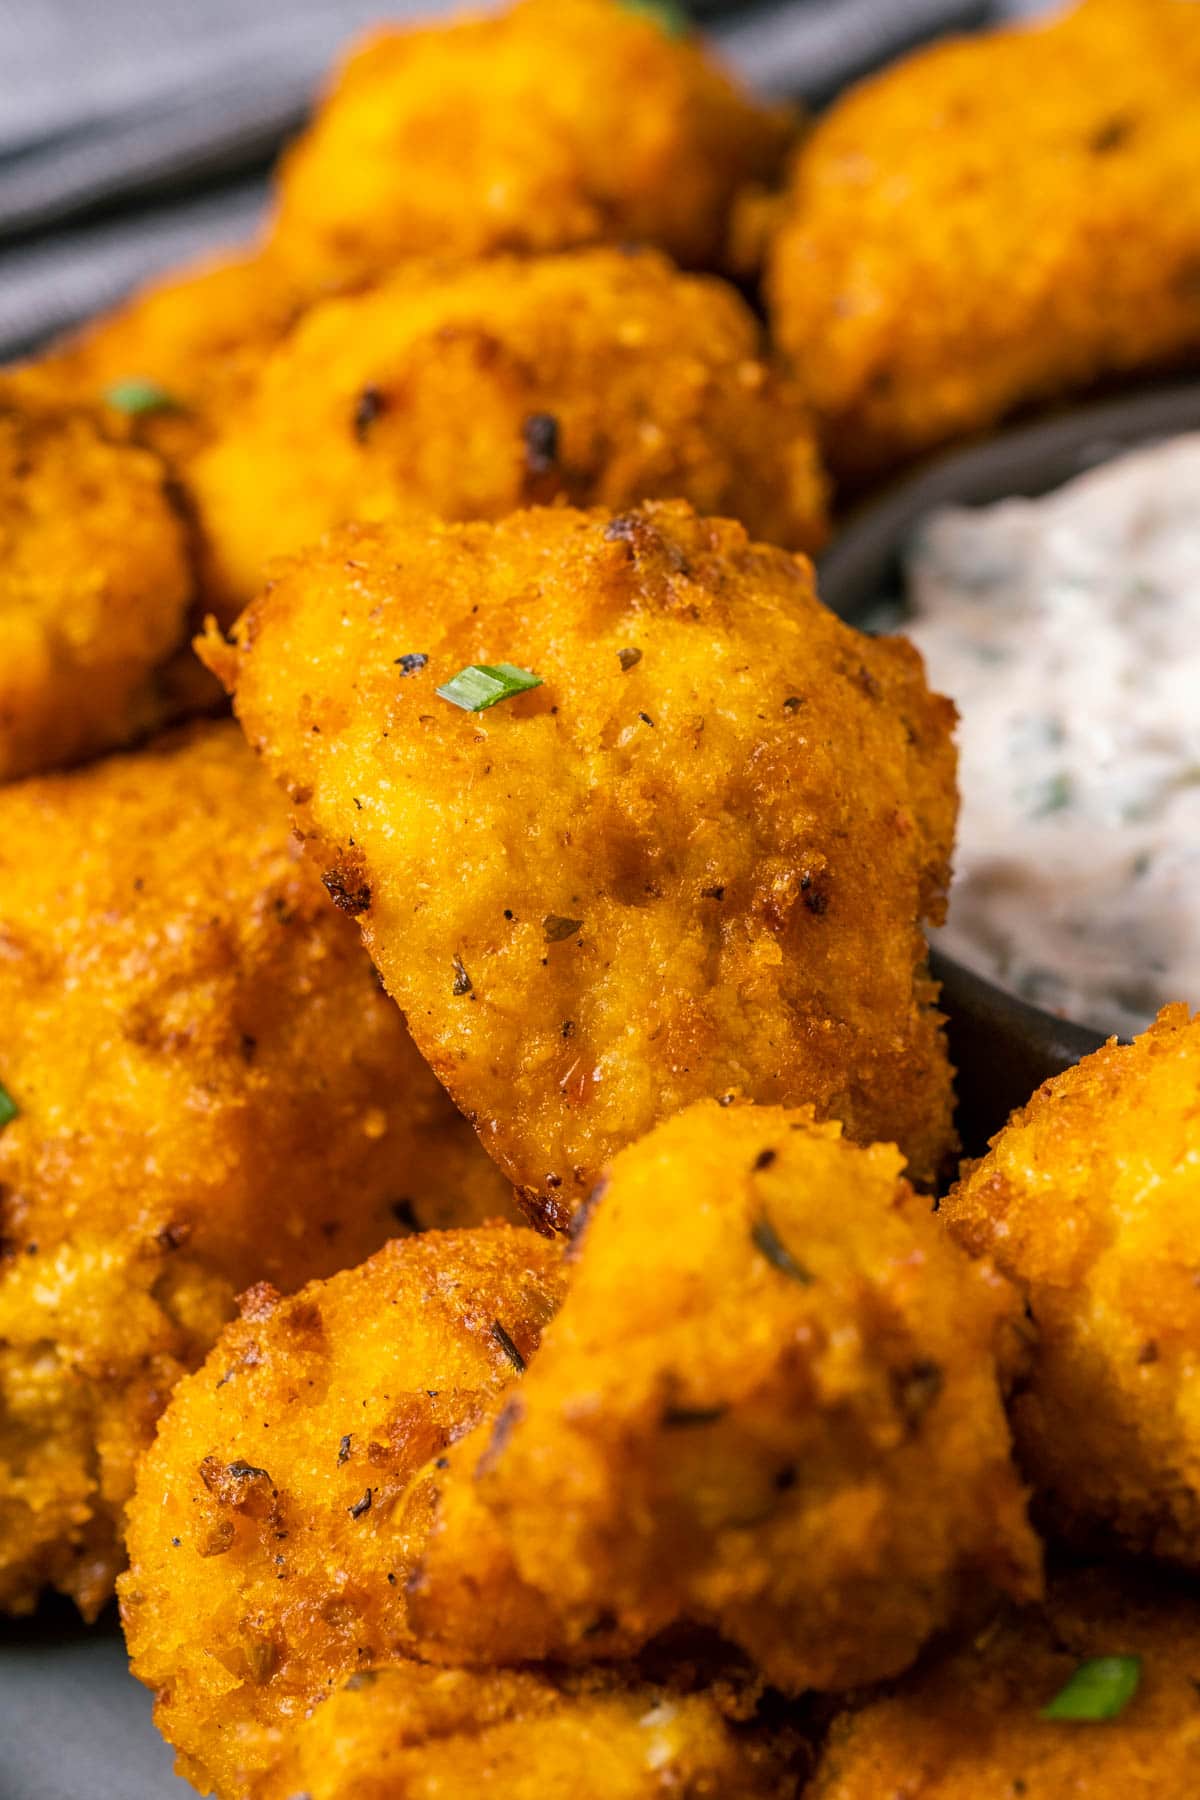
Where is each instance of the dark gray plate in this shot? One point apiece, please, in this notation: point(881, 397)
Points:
point(1002, 1046)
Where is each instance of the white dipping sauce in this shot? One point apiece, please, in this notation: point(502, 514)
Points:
point(1067, 630)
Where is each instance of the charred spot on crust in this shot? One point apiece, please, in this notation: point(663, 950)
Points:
point(367, 408)
point(557, 927)
point(173, 1236)
point(347, 889)
point(360, 1506)
point(764, 1159)
point(682, 1418)
point(462, 981)
point(915, 1390)
point(540, 434)
point(1111, 135)
point(509, 1348)
point(815, 893)
point(240, 1486)
point(344, 1449)
point(405, 1214)
point(411, 662)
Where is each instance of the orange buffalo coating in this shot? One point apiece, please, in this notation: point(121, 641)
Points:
point(279, 1511)
point(423, 1733)
point(992, 222)
point(210, 1089)
point(968, 1726)
point(599, 376)
point(197, 336)
point(556, 122)
point(694, 861)
point(1090, 1200)
point(770, 1405)
point(96, 587)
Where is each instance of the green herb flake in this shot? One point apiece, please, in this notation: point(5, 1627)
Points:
point(669, 17)
point(771, 1245)
point(9, 1110)
point(136, 396)
point(481, 685)
point(1098, 1690)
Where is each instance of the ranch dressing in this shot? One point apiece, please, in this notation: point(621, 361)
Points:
point(1067, 630)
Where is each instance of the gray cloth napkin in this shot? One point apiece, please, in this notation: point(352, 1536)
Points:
point(135, 133)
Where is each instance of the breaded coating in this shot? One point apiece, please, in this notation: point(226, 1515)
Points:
point(210, 1089)
point(599, 376)
point(769, 1405)
point(1090, 1200)
point(282, 1504)
point(993, 222)
point(197, 337)
point(556, 122)
point(423, 1733)
point(969, 1726)
point(693, 861)
point(95, 586)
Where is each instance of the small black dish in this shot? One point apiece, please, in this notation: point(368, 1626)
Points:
point(1003, 1047)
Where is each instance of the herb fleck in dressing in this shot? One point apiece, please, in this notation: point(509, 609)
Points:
point(1067, 630)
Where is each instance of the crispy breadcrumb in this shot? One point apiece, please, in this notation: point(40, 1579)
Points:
point(96, 586)
point(555, 122)
point(694, 860)
point(602, 377)
point(1090, 1200)
point(424, 1733)
point(209, 1089)
point(279, 1511)
point(969, 1725)
point(993, 222)
point(769, 1405)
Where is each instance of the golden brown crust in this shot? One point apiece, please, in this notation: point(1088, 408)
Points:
point(522, 1735)
point(968, 1725)
point(211, 1090)
point(282, 1504)
point(573, 121)
point(1090, 1200)
point(600, 377)
point(993, 222)
point(769, 1405)
point(695, 859)
point(198, 335)
point(95, 585)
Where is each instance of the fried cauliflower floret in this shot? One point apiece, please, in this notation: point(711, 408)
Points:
point(1090, 1200)
point(413, 1731)
point(556, 122)
point(695, 860)
point(993, 222)
point(969, 1726)
point(279, 1510)
point(769, 1405)
point(195, 338)
point(210, 1089)
point(95, 586)
point(597, 376)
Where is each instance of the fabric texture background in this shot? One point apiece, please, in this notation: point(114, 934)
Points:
point(137, 133)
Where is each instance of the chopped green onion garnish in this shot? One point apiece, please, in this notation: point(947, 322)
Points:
point(666, 15)
point(8, 1107)
point(138, 396)
point(1100, 1689)
point(481, 685)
